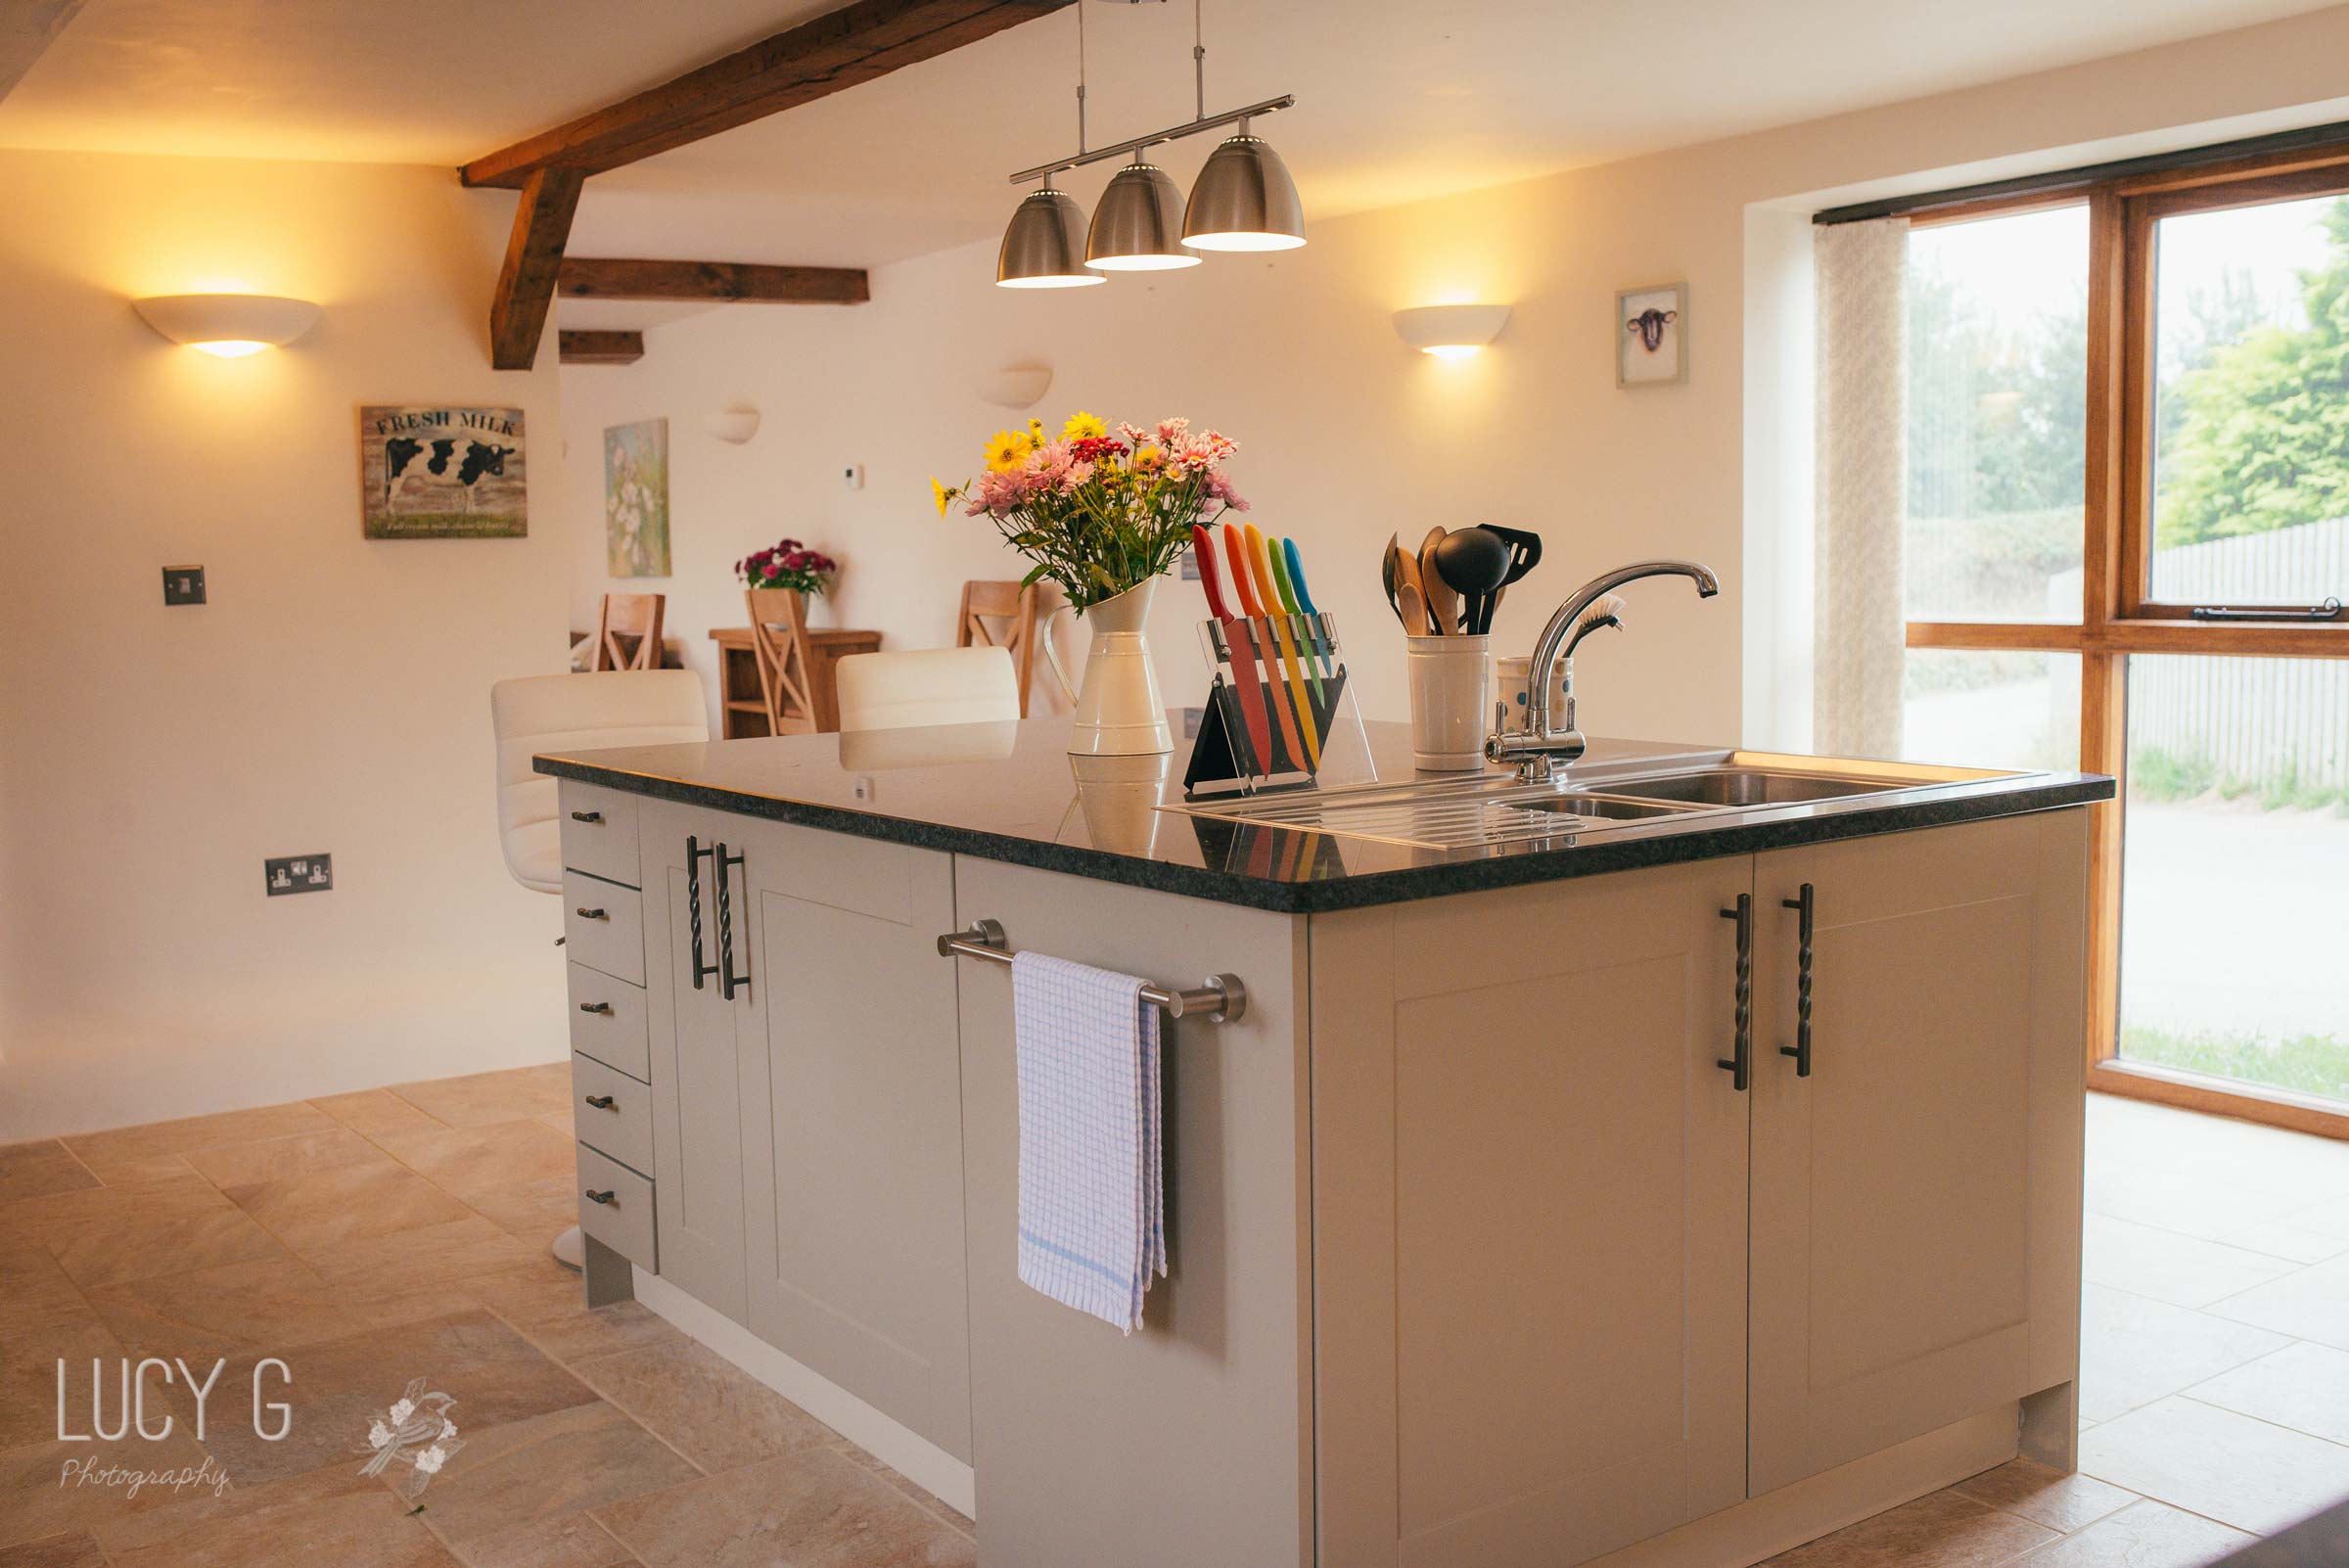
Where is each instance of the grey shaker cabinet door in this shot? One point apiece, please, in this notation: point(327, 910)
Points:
point(1917, 1198)
point(850, 1119)
point(697, 1061)
point(1530, 1219)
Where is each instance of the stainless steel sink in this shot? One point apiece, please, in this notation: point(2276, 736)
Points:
point(1495, 808)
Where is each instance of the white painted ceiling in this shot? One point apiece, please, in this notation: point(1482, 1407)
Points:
point(1397, 98)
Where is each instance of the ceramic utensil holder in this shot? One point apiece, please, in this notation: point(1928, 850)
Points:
point(1511, 679)
point(1450, 686)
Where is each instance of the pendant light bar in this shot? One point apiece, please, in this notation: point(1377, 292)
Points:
point(1173, 134)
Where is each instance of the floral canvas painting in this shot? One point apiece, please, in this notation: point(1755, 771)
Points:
point(636, 498)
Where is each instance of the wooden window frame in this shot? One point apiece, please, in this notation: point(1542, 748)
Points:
point(2118, 617)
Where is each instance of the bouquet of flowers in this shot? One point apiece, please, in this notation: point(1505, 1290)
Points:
point(1098, 513)
point(787, 563)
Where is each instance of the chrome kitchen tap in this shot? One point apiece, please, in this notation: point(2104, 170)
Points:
point(1536, 749)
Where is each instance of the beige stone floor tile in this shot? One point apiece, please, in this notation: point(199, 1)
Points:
point(2045, 1496)
point(503, 1494)
point(2280, 1238)
point(710, 1410)
point(31, 1284)
point(809, 1509)
point(543, 1301)
point(2239, 1471)
point(574, 1540)
point(2312, 1302)
point(371, 1111)
point(2143, 1534)
point(405, 1260)
point(146, 1233)
point(488, 1161)
point(37, 1170)
point(2183, 1271)
point(263, 1308)
point(531, 1209)
point(127, 1145)
point(562, 1121)
point(2192, 1205)
point(494, 1374)
point(74, 1551)
point(330, 1516)
point(480, 1099)
point(60, 1488)
point(325, 1187)
point(874, 1466)
point(2329, 1217)
point(2304, 1386)
point(2135, 1349)
point(1940, 1529)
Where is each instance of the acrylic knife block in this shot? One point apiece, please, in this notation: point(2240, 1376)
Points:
point(1250, 672)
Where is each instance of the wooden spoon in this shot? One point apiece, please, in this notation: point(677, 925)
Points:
point(1443, 605)
point(1410, 595)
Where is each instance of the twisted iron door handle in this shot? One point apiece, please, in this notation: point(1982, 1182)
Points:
point(595, 1007)
point(728, 980)
point(593, 1196)
point(693, 905)
point(1805, 905)
point(601, 1102)
point(1740, 1064)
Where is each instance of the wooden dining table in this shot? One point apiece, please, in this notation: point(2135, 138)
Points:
point(742, 709)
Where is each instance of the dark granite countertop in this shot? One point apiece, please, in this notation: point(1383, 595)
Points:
point(1010, 792)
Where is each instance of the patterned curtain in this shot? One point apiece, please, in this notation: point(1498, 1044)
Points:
point(1861, 624)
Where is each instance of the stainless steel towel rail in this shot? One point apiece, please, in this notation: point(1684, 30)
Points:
point(1221, 1000)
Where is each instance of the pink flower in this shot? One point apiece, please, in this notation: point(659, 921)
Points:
point(1197, 454)
point(1172, 434)
point(1219, 487)
point(1134, 435)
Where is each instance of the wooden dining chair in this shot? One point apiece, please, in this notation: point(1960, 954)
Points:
point(1006, 616)
point(779, 639)
point(629, 615)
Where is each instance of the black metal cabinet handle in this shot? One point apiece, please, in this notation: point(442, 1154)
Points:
point(596, 1007)
point(1740, 1064)
point(1806, 904)
point(693, 906)
point(728, 980)
point(587, 816)
point(594, 1196)
point(601, 1102)
point(585, 913)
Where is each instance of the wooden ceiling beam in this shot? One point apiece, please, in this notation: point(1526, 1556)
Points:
point(856, 44)
point(600, 347)
point(525, 284)
point(597, 278)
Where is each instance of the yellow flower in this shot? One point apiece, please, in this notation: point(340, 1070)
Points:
point(1008, 449)
point(1147, 457)
point(940, 495)
point(1082, 426)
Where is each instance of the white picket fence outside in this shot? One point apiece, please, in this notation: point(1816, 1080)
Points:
point(2253, 719)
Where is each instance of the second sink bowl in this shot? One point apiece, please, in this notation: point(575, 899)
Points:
point(1739, 785)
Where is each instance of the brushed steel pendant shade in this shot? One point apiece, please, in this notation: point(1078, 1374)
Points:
point(1044, 245)
point(1138, 226)
point(1244, 199)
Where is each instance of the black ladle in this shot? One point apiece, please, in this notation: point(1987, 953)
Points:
point(1475, 562)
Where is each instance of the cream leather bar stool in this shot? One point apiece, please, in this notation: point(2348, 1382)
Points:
point(575, 714)
point(927, 686)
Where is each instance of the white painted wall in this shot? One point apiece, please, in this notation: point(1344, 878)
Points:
point(1347, 437)
point(334, 694)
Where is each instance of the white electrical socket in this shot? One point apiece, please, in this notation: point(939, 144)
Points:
point(852, 478)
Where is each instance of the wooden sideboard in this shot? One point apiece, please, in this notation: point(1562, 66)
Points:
point(738, 696)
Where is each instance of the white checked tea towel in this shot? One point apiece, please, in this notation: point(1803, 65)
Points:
point(1093, 1193)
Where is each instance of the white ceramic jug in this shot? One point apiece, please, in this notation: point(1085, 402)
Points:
point(1119, 710)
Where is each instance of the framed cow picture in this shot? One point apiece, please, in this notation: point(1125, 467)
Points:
point(443, 473)
point(1652, 336)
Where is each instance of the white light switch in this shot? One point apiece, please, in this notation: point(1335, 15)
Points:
point(852, 478)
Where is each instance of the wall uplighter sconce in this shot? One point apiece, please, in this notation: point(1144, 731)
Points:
point(1450, 332)
point(733, 425)
point(229, 325)
point(1019, 386)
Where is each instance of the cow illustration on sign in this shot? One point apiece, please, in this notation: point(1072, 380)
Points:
point(1652, 336)
point(442, 473)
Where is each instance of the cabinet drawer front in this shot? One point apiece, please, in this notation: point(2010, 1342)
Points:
point(599, 833)
point(613, 1111)
point(607, 1022)
point(604, 924)
point(623, 1219)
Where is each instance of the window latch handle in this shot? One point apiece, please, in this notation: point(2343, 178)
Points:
point(2330, 610)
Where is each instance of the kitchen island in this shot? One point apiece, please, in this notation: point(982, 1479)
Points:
point(1650, 1178)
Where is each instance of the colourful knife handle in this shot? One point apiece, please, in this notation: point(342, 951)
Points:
point(1236, 552)
point(1243, 661)
point(1260, 565)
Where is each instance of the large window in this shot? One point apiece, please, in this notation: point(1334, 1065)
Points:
point(2126, 536)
